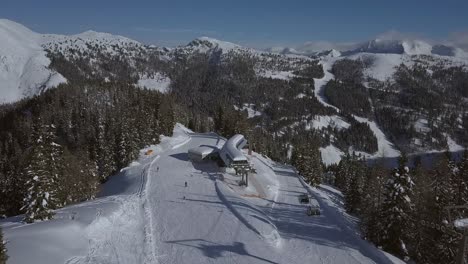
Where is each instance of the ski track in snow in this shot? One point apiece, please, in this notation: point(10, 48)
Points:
point(319, 84)
point(151, 217)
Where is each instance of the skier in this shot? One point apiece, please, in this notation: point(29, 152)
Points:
point(185, 184)
point(157, 169)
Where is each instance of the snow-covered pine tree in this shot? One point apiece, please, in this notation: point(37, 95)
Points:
point(3, 250)
point(372, 203)
point(354, 195)
point(421, 241)
point(342, 180)
point(461, 181)
point(445, 240)
point(398, 209)
point(308, 162)
point(42, 173)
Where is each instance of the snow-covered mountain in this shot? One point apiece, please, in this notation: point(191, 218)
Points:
point(26, 68)
point(377, 46)
point(409, 47)
point(204, 44)
point(23, 63)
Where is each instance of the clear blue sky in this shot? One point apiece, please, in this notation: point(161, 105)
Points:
point(255, 23)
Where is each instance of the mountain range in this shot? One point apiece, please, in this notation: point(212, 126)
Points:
point(31, 63)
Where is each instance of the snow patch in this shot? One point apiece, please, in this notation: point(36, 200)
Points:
point(331, 155)
point(251, 113)
point(281, 75)
point(453, 146)
point(334, 121)
point(157, 82)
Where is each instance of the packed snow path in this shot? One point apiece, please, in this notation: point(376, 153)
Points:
point(148, 215)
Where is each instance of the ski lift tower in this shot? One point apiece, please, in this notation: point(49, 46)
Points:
point(462, 226)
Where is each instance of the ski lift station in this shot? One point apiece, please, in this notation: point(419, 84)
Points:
point(230, 154)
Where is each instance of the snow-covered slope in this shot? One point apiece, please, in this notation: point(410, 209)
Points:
point(146, 214)
point(90, 41)
point(23, 63)
point(204, 44)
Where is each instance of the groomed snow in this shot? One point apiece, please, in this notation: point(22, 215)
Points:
point(319, 84)
point(145, 214)
point(386, 149)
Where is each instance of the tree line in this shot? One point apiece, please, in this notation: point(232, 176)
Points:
point(404, 210)
point(56, 148)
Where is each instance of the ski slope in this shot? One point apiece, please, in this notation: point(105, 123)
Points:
point(146, 214)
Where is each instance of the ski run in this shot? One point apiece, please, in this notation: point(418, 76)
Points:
point(146, 214)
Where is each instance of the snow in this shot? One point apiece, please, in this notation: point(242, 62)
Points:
point(319, 84)
point(281, 75)
point(145, 214)
point(416, 47)
point(334, 121)
point(224, 45)
point(383, 65)
point(461, 223)
point(453, 146)
point(386, 149)
point(86, 40)
point(157, 82)
point(205, 44)
point(23, 63)
point(251, 113)
point(331, 155)
point(421, 125)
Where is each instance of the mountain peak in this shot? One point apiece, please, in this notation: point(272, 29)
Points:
point(207, 43)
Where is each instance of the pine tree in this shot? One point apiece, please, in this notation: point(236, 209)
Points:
point(3, 250)
point(372, 204)
point(308, 163)
point(43, 173)
point(461, 181)
point(397, 209)
point(354, 195)
point(104, 156)
point(343, 173)
point(442, 194)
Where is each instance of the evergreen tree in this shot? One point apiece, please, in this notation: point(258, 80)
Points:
point(343, 174)
point(445, 240)
point(373, 197)
point(308, 162)
point(397, 210)
point(355, 193)
point(43, 173)
point(3, 250)
point(461, 181)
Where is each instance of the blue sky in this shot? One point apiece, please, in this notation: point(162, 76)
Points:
point(255, 23)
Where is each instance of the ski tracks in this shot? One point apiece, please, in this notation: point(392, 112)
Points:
point(150, 250)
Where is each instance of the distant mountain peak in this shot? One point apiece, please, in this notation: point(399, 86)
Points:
point(207, 43)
